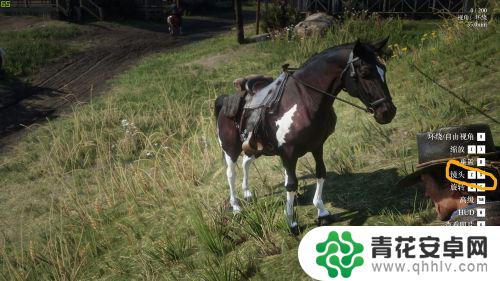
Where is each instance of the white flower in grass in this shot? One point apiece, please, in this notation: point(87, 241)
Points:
point(125, 123)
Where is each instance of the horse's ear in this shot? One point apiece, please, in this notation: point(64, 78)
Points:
point(357, 50)
point(379, 45)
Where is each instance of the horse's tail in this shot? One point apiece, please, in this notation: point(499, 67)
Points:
point(219, 102)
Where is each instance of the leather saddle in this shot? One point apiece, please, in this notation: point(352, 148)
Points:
point(261, 93)
point(252, 83)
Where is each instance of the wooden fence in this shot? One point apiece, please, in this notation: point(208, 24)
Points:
point(68, 8)
point(31, 7)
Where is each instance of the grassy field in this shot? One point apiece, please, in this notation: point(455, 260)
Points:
point(133, 186)
point(32, 47)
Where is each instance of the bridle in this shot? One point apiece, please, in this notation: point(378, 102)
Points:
point(352, 73)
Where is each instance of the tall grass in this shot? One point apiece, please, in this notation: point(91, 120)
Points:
point(262, 220)
point(133, 186)
point(213, 234)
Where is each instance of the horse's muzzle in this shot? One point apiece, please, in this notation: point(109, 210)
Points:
point(385, 112)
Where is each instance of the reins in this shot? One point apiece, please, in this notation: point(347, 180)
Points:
point(290, 71)
point(290, 74)
point(463, 100)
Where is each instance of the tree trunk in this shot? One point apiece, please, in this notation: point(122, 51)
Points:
point(239, 21)
point(257, 18)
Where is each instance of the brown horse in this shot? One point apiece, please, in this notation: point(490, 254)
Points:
point(174, 24)
point(304, 116)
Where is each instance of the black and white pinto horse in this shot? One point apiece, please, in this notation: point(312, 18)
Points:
point(305, 117)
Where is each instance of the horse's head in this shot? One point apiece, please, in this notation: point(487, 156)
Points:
point(364, 78)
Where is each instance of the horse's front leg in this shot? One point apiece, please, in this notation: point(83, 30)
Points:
point(291, 189)
point(247, 161)
point(320, 180)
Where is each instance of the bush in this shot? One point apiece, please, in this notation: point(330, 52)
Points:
point(280, 15)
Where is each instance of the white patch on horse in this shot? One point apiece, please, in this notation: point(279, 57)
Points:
point(247, 160)
point(381, 73)
point(284, 124)
point(318, 200)
point(218, 136)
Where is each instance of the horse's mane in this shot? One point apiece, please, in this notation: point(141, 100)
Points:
point(334, 48)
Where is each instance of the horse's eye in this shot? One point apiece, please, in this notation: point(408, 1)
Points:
point(364, 72)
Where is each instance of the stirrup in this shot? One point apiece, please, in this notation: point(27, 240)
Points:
point(249, 149)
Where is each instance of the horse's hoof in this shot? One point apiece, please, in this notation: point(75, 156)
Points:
point(294, 230)
point(236, 210)
point(247, 196)
point(324, 220)
point(249, 199)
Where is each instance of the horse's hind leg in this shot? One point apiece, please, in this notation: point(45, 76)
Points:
point(247, 161)
point(320, 180)
point(231, 146)
point(231, 179)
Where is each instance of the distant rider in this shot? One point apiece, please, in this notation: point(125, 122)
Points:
point(176, 12)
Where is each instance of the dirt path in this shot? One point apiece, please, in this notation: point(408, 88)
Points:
point(113, 49)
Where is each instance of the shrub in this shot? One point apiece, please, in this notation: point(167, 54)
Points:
point(280, 15)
